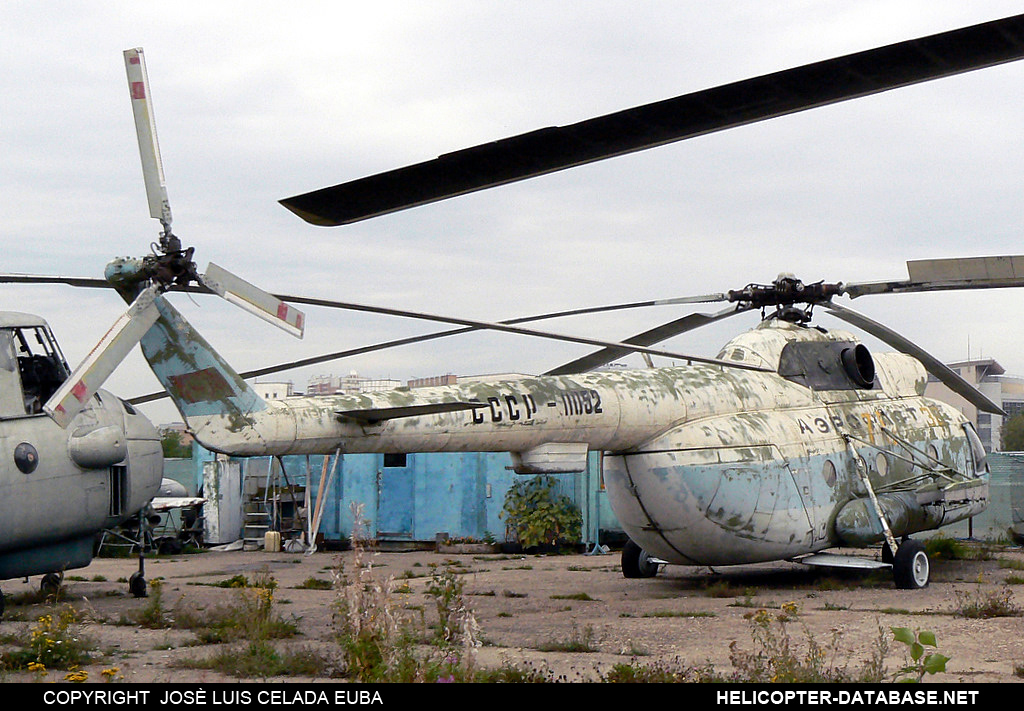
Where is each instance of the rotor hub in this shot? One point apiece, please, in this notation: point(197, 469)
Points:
point(785, 294)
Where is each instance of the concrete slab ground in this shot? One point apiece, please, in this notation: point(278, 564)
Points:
point(570, 616)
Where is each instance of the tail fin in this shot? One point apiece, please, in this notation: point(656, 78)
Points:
point(204, 388)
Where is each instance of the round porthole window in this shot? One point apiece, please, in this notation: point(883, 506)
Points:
point(829, 472)
point(881, 464)
point(26, 458)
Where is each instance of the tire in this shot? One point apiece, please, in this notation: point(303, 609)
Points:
point(636, 563)
point(910, 567)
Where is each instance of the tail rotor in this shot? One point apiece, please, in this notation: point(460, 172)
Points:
point(142, 281)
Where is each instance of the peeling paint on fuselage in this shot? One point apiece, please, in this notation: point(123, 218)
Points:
point(704, 464)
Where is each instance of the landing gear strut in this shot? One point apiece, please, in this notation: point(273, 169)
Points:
point(137, 581)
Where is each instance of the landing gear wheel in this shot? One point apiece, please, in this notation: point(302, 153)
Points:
point(910, 567)
point(636, 563)
point(51, 582)
point(137, 585)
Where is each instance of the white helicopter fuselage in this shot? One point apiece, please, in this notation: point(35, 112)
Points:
point(703, 464)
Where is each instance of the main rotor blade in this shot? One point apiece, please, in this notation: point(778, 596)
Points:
point(444, 334)
point(947, 274)
point(87, 282)
point(510, 328)
point(647, 338)
point(470, 325)
point(556, 148)
point(97, 283)
point(301, 363)
point(933, 365)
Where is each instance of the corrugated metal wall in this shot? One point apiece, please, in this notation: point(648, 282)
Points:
point(415, 497)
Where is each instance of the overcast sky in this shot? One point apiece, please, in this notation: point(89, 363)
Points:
point(258, 101)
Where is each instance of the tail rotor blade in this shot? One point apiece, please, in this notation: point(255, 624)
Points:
point(254, 300)
point(90, 375)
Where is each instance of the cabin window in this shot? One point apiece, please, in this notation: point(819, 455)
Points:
point(979, 457)
point(829, 472)
point(881, 464)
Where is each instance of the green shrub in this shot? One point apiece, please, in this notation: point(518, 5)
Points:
point(535, 515)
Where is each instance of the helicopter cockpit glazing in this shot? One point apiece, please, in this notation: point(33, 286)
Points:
point(32, 367)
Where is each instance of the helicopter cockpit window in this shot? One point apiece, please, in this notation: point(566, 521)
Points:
point(8, 362)
point(41, 366)
point(979, 456)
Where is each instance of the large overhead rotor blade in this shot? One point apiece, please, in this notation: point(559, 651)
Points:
point(410, 340)
point(667, 331)
point(507, 327)
point(647, 338)
point(556, 148)
point(88, 282)
point(933, 365)
point(948, 274)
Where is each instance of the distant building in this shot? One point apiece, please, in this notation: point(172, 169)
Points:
point(351, 384)
point(274, 391)
point(433, 381)
point(990, 378)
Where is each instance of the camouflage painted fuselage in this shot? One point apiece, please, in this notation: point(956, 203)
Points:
point(703, 464)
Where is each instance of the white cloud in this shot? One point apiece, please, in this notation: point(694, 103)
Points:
point(259, 101)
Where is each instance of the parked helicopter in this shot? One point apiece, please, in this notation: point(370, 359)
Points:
point(792, 441)
point(64, 480)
